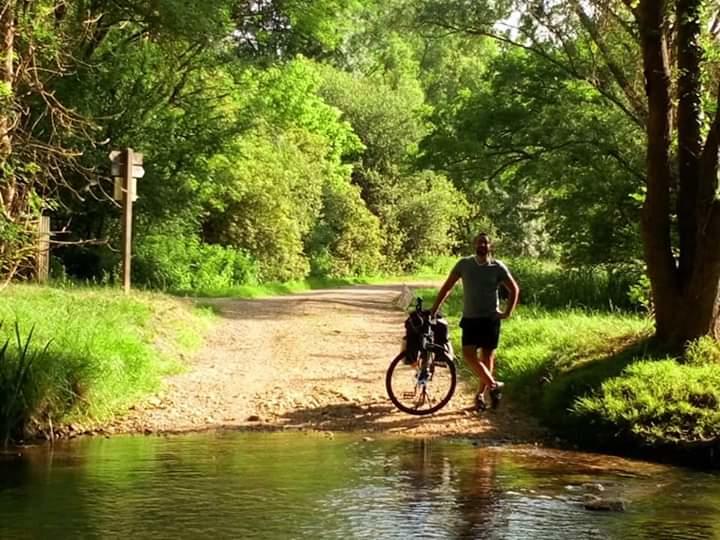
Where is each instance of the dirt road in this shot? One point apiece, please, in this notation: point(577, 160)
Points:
point(308, 361)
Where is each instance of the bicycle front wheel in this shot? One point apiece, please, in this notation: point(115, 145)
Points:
point(414, 394)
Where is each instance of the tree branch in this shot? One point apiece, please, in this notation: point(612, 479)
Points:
point(536, 50)
point(622, 81)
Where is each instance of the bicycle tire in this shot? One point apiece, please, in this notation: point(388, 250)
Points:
point(395, 393)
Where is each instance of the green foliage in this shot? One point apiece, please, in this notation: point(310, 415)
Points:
point(273, 30)
point(18, 395)
point(427, 212)
point(703, 351)
point(270, 196)
point(174, 259)
point(346, 240)
point(657, 403)
point(576, 181)
point(289, 97)
point(551, 285)
point(388, 120)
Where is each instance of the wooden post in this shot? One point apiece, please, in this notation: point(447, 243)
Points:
point(43, 257)
point(127, 199)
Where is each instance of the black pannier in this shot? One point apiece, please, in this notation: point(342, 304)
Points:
point(413, 335)
point(440, 330)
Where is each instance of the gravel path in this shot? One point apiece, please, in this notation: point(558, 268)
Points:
point(308, 361)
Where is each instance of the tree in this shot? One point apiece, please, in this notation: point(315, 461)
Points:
point(686, 287)
point(680, 218)
point(37, 133)
point(555, 161)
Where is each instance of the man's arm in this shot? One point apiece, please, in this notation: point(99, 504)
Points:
point(444, 292)
point(514, 293)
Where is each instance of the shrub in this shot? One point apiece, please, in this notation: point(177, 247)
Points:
point(175, 260)
point(552, 285)
point(346, 240)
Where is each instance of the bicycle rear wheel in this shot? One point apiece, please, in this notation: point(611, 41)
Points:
point(413, 396)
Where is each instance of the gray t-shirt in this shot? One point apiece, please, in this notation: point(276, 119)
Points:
point(480, 285)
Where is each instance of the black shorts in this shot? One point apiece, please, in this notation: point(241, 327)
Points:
point(481, 332)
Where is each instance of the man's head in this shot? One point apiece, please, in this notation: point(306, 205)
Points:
point(483, 245)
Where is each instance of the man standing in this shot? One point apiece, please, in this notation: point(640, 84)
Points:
point(481, 276)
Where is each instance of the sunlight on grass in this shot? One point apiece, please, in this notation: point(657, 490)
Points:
point(106, 349)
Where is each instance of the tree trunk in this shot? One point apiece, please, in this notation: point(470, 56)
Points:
point(686, 293)
point(655, 219)
point(7, 79)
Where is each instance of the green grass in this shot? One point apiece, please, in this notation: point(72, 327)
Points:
point(657, 403)
point(104, 349)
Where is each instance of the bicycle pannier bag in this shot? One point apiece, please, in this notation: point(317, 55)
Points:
point(413, 337)
point(440, 331)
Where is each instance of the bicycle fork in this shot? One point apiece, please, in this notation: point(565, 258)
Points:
point(422, 377)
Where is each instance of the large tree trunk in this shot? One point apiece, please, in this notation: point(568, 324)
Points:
point(655, 224)
point(8, 266)
point(7, 79)
point(686, 290)
point(7, 72)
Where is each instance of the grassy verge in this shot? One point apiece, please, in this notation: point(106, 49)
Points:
point(595, 378)
point(82, 354)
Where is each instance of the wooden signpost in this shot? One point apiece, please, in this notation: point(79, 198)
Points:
point(43, 257)
point(126, 168)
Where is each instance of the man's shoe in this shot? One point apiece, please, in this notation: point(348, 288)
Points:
point(480, 404)
point(496, 394)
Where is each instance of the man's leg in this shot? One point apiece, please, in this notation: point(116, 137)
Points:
point(478, 367)
point(487, 359)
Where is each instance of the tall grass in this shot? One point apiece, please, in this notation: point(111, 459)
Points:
point(551, 285)
point(20, 395)
point(106, 349)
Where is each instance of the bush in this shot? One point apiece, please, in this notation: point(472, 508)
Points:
point(346, 240)
point(177, 261)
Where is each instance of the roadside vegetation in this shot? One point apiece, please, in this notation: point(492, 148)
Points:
point(80, 355)
point(591, 371)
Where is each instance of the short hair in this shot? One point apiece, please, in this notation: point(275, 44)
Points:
point(479, 235)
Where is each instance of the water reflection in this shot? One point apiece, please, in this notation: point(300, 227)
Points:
point(295, 485)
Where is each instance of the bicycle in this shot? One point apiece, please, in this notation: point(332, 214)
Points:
point(422, 383)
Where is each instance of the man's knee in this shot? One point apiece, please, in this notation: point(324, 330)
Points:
point(487, 355)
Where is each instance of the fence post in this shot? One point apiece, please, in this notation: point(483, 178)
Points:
point(43, 255)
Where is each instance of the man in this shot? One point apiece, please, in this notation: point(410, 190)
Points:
point(481, 276)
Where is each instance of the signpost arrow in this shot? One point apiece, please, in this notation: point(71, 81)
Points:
point(116, 162)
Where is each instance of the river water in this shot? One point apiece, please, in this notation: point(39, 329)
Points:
point(308, 486)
